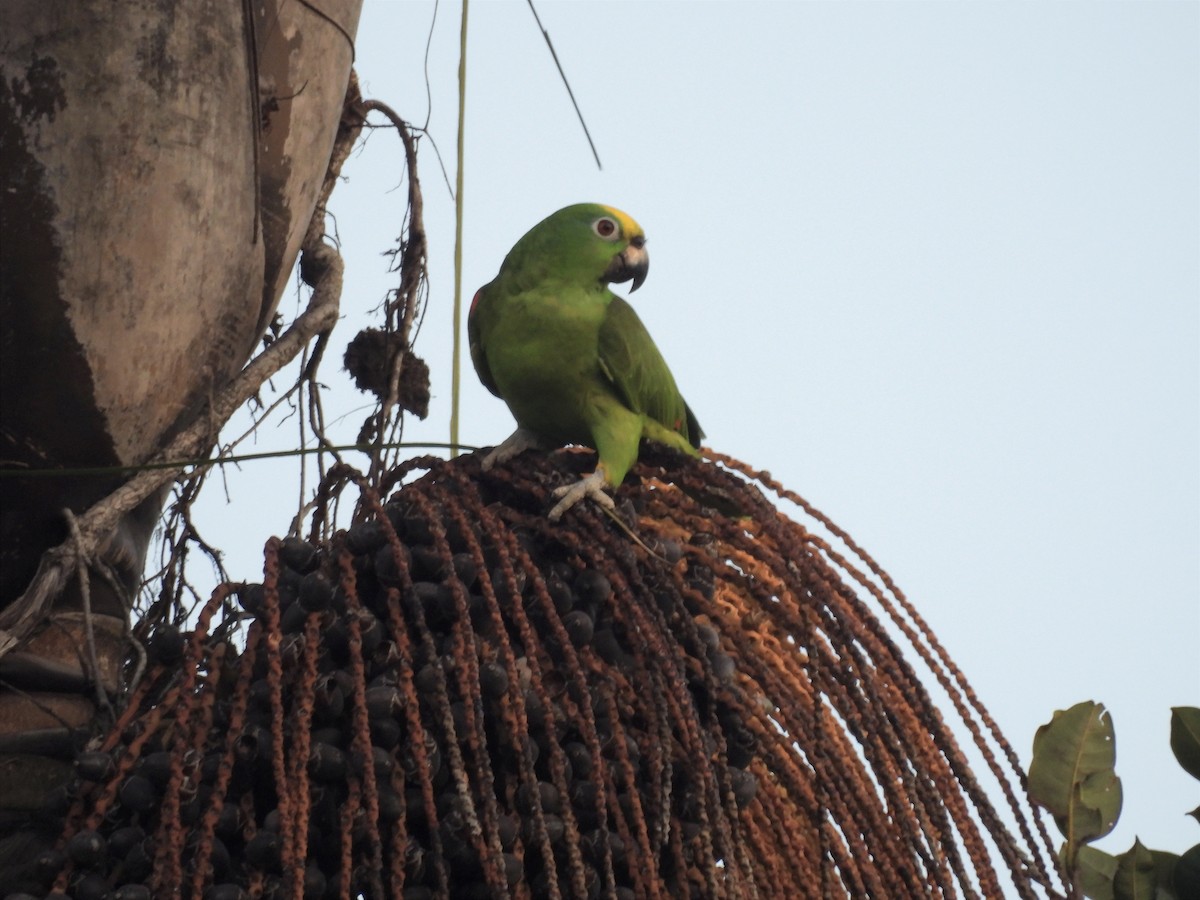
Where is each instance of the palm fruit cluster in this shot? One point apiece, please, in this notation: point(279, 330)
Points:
point(456, 698)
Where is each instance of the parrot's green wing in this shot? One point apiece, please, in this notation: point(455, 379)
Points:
point(638, 373)
point(475, 343)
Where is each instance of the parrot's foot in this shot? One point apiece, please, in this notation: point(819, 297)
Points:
point(589, 486)
point(518, 442)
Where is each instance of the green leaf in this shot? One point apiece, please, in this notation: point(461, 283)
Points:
point(1135, 878)
point(1072, 775)
point(1094, 871)
point(1164, 874)
point(1185, 738)
point(1195, 814)
point(1187, 873)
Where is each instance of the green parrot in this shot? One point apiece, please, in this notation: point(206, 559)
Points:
point(571, 359)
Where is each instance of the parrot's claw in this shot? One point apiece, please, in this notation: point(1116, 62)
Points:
point(518, 442)
point(589, 486)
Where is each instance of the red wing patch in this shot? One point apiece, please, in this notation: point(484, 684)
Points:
point(474, 302)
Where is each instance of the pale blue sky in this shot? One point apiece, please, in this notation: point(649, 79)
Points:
point(933, 265)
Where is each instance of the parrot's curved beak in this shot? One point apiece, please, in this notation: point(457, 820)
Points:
point(632, 263)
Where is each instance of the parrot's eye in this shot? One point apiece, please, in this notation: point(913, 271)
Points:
point(606, 228)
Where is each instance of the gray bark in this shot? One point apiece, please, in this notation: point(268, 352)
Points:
point(160, 164)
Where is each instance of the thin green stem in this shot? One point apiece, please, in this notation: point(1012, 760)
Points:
point(456, 361)
point(223, 460)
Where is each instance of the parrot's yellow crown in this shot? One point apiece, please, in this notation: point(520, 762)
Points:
point(629, 228)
